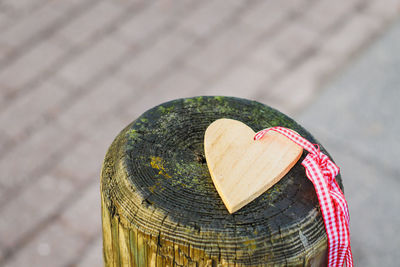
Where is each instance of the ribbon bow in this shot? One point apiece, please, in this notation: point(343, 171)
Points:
point(321, 171)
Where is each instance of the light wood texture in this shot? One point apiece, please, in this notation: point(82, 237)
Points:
point(241, 168)
point(160, 207)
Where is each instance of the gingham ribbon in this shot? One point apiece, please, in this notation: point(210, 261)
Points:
point(322, 172)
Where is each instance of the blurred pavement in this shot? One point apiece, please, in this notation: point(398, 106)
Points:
point(74, 73)
point(356, 119)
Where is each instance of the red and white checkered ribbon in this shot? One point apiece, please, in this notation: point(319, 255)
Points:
point(322, 172)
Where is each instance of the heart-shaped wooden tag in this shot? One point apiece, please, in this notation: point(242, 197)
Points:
point(241, 168)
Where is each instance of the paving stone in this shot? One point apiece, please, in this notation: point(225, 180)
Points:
point(4, 140)
point(94, 60)
point(83, 163)
point(105, 129)
point(4, 20)
point(14, 220)
point(268, 14)
point(295, 89)
point(72, 5)
point(143, 24)
point(23, 70)
point(324, 15)
point(1, 253)
point(152, 18)
point(94, 256)
point(37, 202)
point(264, 58)
point(387, 10)
point(84, 215)
point(184, 82)
point(176, 8)
point(32, 107)
point(180, 80)
point(29, 26)
point(94, 105)
point(148, 64)
point(292, 41)
point(56, 246)
point(125, 3)
point(90, 23)
point(242, 81)
point(346, 40)
point(22, 7)
point(221, 50)
point(20, 164)
point(37, 26)
point(208, 16)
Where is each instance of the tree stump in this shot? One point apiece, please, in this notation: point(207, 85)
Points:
point(160, 207)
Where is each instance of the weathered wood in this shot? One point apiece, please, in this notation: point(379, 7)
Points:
point(160, 207)
point(241, 168)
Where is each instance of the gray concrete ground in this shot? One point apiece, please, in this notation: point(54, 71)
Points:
point(73, 73)
point(356, 117)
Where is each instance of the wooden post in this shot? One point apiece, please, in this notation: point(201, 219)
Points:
point(160, 207)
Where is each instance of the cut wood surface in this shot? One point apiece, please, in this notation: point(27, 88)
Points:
point(241, 168)
point(160, 206)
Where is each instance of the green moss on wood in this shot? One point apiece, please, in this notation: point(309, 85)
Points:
point(155, 181)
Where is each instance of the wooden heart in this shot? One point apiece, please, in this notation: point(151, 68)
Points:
point(241, 168)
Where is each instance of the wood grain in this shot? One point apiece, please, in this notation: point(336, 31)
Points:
point(159, 202)
point(241, 168)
